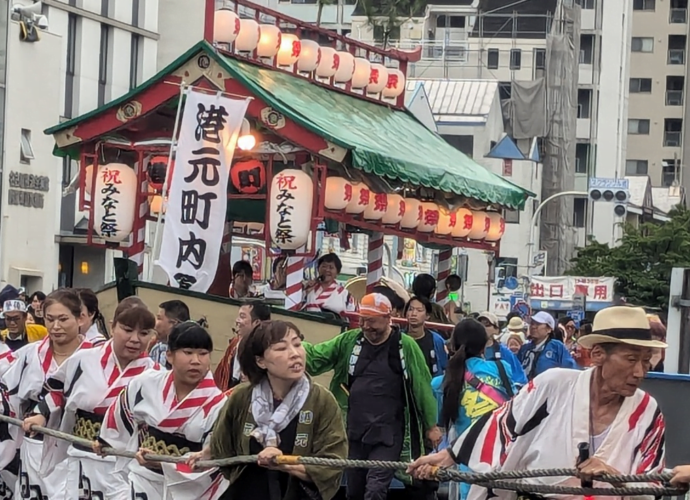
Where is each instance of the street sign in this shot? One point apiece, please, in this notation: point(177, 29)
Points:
point(577, 317)
point(605, 183)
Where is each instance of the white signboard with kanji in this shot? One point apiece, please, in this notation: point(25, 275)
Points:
point(563, 288)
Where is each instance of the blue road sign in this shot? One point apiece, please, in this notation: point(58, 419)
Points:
point(577, 316)
point(605, 183)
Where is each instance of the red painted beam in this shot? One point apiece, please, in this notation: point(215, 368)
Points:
point(209, 15)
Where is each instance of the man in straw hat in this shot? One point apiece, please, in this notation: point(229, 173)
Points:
point(383, 385)
point(544, 425)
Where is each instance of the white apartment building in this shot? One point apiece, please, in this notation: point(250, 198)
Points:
point(91, 52)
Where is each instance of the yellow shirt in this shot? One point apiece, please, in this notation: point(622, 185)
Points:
point(34, 333)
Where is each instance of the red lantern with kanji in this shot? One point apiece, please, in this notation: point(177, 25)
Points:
point(395, 210)
point(157, 172)
point(463, 223)
point(430, 217)
point(480, 226)
point(496, 228)
point(376, 209)
point(360, 199)
point(446, 222)
point(248, 177)
point(412, 216)
point(338, 193)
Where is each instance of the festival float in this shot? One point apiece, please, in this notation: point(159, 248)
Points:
point(273, 129)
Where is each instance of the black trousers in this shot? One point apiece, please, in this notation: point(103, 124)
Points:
point(371, 484)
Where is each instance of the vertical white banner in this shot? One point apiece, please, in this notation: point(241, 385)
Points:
point(197, 203)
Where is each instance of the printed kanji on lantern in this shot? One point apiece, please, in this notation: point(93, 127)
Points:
point(291, 200)
point(114, 201)
point(412, 216)
point(226, 26)
point(309, 57)
point(430, 217)
point(376, 209)
point(481, 223)
point(446, 221)
point(346, 67)
point(269, 41)
point(395, 209)
point(395, 84)
point(338, 193)
point(496, 228)
point(329, 63)
point(464, 219)
point(378, 78)
point(248, 38)
point(360, 199)
point(248, 177)
point(362, 73)
point(289, 51)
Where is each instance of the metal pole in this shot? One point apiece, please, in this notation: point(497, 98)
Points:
point(533, 222)
point(155, 251)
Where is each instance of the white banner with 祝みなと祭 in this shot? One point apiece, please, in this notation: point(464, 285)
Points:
point(197, 203)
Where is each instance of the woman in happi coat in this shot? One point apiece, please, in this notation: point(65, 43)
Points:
point(94, 329)
point(33, 365)
point(471, 386)
point(324, 293)
point(77, 396)
point(280, 411)
point(168, 413)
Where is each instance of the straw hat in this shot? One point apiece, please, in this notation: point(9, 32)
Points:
point(516, 325)
point(621, 325)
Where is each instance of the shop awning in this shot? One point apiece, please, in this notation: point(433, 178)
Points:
point(383, 142)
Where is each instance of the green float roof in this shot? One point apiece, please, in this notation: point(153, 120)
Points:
point(383, 141)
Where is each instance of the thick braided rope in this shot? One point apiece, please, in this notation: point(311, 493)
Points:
point(497, 480)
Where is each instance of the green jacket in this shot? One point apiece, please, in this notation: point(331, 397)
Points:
point(420, 404)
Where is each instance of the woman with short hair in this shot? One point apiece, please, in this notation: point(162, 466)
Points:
point(280, 411)
point(325, 294)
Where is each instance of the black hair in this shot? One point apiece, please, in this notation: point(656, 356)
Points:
point(454, 282)
point(278, 262)
point(397, 302)
point(259, 311)
point(467, 341)
point(175, 310)
point(585, 329)
point(37, 295)
point(257, 342)
point(512, 315)
point(242, 267)
point(136, 318)
point(90, 301)
point(67, 297)
point(424, 285)
point(565, 320)
point(425, 302)
point(330, 258)
point(189, 335)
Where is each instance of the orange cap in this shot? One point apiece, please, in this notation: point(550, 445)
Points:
point(375, 304)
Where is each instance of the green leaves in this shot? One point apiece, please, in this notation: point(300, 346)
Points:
point(643, 261)
point(386, 16)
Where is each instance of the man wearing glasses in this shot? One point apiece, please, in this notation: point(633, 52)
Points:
point(18, 333)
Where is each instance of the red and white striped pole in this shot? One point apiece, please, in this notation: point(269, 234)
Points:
point(375, 260)
point(293, 282)
point(443, 271)
point(137, 250)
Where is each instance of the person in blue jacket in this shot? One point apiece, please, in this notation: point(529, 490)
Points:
point(544, 351)
point(418, 311)
point(496, 350)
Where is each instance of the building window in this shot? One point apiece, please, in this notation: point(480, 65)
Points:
point(584, 103)
point(71, 65)
point(505, 91)
point(586, 49)
point(674, 90)
point(492, 59)
point(640, 85)
point(673, 128)
point(26, 153)
point(579, 212)
point(512, 216)
point(540, 58)
point(134, 61)
point(515, 58)
point(381, 32)
point(679, 12)
point(587, 4)
point(581, 157)
point(450, 22)
point(636, 167)
point(676, 49)
point(103, 63)
point(642, 44)
point(669, 172)
point(644, 4)
point(637, 126)
point(68, 170)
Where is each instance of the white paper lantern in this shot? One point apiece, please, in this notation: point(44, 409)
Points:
point(413, 214)
point(269, 41)
point(226, 26)
point(395, 211)
point(292, 197)
point(329, 63)
point(249, 36)
point(464, 219)
point(395, 84)
point(88, 180)
point(481, 224)
point(346, 67)
point(378, 78)
point(446, 222)
point(338, 193)
point(360, 199)
point(114, 201)
point(497, 227)
point(309, 57)
point(290, 48)
point(430, 216)
point(360, 77)
point(377, 207)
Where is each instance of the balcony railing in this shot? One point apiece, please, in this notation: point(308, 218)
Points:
point(432, 50)
point(672, 139)
point(674, 98)
point(676, 56)
point(678, 16)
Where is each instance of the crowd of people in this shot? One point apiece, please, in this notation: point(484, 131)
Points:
point(476, 395)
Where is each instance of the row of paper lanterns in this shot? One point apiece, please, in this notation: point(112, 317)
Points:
point(410, 213)
point(307, 56)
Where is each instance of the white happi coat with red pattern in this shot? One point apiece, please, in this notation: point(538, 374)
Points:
point(541, 427)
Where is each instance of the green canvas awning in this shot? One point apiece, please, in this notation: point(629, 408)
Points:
point(383, 142)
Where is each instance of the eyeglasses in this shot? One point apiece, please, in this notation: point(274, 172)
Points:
point(13, 319)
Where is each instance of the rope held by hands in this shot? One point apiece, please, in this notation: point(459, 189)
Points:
point(503, 480)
